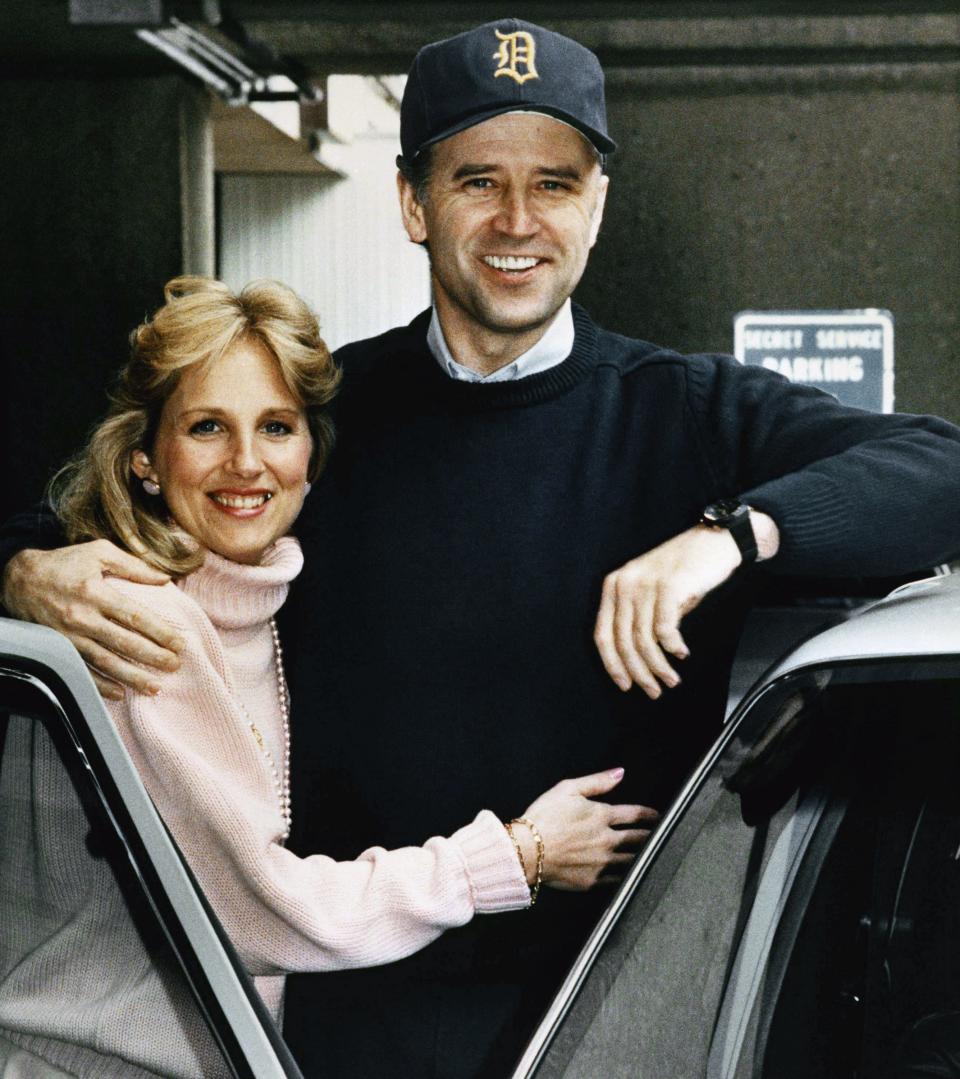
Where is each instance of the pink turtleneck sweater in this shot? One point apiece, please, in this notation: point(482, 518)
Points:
point(213, 785)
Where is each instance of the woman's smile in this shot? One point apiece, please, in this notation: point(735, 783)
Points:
point(241, 504)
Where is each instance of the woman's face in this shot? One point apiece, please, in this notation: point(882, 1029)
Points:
point(232, 453)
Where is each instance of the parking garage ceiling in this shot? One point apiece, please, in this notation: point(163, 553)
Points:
point(369, 37)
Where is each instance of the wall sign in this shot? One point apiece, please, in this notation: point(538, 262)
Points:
point(847, 353)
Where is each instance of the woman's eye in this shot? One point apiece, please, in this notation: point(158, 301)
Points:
point(277, 427)
point(204, 427)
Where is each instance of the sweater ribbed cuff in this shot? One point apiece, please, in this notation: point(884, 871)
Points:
point(496, 879)
point(812, 515)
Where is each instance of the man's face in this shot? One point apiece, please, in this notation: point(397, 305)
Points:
point(512, 209)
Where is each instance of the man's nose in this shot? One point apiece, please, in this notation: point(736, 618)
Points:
point(516, 215)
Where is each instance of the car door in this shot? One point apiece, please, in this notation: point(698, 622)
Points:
point(797, 914)
point(111, 963)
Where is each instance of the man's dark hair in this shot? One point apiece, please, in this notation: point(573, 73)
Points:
point(417, 172)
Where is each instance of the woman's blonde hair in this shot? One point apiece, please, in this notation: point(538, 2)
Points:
point(97, 495)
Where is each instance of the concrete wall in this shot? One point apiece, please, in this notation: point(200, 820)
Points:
point(107, 193)
point(801, 184)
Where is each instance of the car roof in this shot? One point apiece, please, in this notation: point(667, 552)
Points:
point(918, 619)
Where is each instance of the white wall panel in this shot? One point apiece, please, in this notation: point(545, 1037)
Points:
point(339, 243)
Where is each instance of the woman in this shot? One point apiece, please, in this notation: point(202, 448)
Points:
point(217, 427)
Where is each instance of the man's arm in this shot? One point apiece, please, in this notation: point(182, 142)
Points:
point(644, 601)
point(65, 589)
point(38, 527)
point(835, 492)
point(853, 493)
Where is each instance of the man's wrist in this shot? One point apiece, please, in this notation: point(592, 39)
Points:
point(766, 533)
point(754, 533)
point(5, 577)
point(732, 516)
point(12, 576)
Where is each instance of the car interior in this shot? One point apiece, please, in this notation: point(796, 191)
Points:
point(868, 947)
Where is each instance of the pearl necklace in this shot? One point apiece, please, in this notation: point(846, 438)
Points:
point(280, 785)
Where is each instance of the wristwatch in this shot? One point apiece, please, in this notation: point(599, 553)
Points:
point(733, 515)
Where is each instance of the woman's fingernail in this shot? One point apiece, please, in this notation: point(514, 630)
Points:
point(616, 773)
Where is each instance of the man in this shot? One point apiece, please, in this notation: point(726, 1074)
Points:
point(521, 512)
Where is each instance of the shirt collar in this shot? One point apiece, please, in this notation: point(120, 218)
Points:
point(553, 348)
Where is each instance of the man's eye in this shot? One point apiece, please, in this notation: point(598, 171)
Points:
point(277, 427)
point(480, 182)
point(205, 427)
point(554, 185)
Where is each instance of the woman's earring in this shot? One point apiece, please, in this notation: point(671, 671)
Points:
point(307, 488)
point(150, 487)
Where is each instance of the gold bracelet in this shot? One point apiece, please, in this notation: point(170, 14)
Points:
point(516, 847)
point(538, 838)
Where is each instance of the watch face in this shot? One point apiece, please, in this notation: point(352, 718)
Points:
point(721, 510)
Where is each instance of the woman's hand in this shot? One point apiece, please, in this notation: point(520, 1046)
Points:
point(584, 842)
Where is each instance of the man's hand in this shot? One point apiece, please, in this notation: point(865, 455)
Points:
point(65, 589)
point(644, 601)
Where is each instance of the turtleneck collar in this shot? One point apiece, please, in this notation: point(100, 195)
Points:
point(236, 596)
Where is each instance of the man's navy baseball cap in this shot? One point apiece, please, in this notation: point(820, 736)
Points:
point(500, 67)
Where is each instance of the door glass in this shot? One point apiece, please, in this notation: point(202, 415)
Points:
point(803, 918)
point(88, 983)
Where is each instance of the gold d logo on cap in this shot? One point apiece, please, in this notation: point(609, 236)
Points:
point(516, 48)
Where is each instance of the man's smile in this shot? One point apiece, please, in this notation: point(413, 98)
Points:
point(512, 263)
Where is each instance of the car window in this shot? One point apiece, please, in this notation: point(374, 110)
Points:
point(110, 962)
point(85, 972)
point(799, 915)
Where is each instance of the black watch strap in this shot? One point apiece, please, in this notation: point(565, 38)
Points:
point(734, 516)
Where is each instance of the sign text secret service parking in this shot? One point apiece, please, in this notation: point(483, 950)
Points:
point(847, 353)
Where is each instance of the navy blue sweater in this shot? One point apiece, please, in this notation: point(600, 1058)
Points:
point(441, 633)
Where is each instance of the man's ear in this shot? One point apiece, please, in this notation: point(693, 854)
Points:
point(597, 215)
point(411, 209)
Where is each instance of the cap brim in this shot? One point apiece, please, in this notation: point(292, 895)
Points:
point(603, 144)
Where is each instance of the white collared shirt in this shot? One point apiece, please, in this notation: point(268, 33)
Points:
point(553, 348)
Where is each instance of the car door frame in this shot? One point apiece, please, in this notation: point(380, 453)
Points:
point(41, 674)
